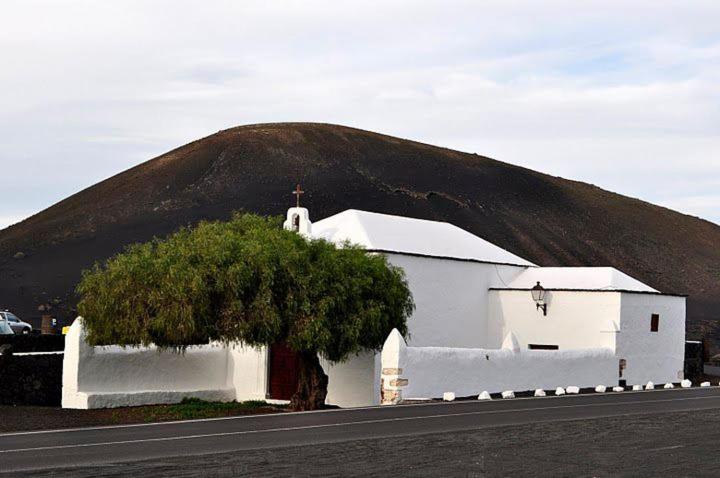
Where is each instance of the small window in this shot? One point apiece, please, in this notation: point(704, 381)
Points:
point(542, 347)
point(654, 322)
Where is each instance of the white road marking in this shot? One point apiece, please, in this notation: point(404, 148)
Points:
point(674, 447)
point(330, 425)
point(337, 410)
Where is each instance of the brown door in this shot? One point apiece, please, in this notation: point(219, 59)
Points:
point(283, 372)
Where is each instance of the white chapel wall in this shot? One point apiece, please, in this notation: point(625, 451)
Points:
point(574, 320)
point(451, 299)
point(656, 356)
point(451, 311)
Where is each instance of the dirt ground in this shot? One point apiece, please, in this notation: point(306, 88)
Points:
point(49, 418)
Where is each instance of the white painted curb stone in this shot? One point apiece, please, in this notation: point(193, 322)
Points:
point(686, 384)
point(618, 389)
point(559, 391)
point(637, 388)
point(669, 385)
point(650, 386)
point(484, 396)
point(448, 396)
point(600, 389)
point(508, 394)
point(540, 392)
point(572, 390)
point(705, 384)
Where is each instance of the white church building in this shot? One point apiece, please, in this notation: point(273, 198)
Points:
point(485, 320)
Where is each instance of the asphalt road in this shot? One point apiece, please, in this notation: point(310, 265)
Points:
point(70, 449)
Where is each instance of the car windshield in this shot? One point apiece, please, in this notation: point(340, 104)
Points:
point(5, 328)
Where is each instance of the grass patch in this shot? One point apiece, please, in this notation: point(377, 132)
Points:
point(194, 408)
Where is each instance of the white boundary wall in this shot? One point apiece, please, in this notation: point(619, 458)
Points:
point(354, 383)
point(113, 376)
point(428, 372)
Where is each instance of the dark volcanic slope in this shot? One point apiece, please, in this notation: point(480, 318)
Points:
point(549, 220)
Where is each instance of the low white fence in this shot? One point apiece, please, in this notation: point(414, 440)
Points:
point(428, 372)
point(113, 376)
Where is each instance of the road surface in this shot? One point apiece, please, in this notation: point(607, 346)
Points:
point(69, 450)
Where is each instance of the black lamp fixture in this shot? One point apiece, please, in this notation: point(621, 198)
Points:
point(538, 295)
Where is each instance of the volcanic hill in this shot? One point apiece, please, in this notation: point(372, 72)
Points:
point(546, 219)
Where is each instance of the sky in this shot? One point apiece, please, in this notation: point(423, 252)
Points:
point(624, 95)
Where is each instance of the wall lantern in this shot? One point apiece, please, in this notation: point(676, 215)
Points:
point(538, 295)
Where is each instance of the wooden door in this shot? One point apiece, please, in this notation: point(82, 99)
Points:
point(284, 368)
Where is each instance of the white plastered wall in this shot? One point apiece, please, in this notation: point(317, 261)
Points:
point(428, 372)
point(112, 376)
point(574, 320)
point(451, 310)
point(106, 377)
point(248, 372)
point(656, 356)
point(354, 383)
point(451, 306)
point(451, 299)
point(615, 320)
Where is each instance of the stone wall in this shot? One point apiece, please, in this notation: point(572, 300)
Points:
point(34, 343)
point(31, 379)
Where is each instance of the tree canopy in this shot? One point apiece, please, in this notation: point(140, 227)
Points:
point(248, 280)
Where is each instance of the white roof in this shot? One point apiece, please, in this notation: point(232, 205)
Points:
point(383, 232)
point(583, 278)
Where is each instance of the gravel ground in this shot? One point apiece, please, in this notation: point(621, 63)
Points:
point(27, 418)
point(672, 444)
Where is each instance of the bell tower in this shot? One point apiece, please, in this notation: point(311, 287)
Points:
point(298, 218)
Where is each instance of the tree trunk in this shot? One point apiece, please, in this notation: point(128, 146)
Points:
point(312, 384)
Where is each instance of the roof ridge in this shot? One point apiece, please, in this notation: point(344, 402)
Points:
point(413, 236)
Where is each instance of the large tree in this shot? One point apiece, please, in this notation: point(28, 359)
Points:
point(251, 281)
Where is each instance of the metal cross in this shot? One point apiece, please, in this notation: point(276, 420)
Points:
point(297, 193)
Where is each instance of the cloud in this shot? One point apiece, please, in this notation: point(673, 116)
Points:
point(625, 95)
